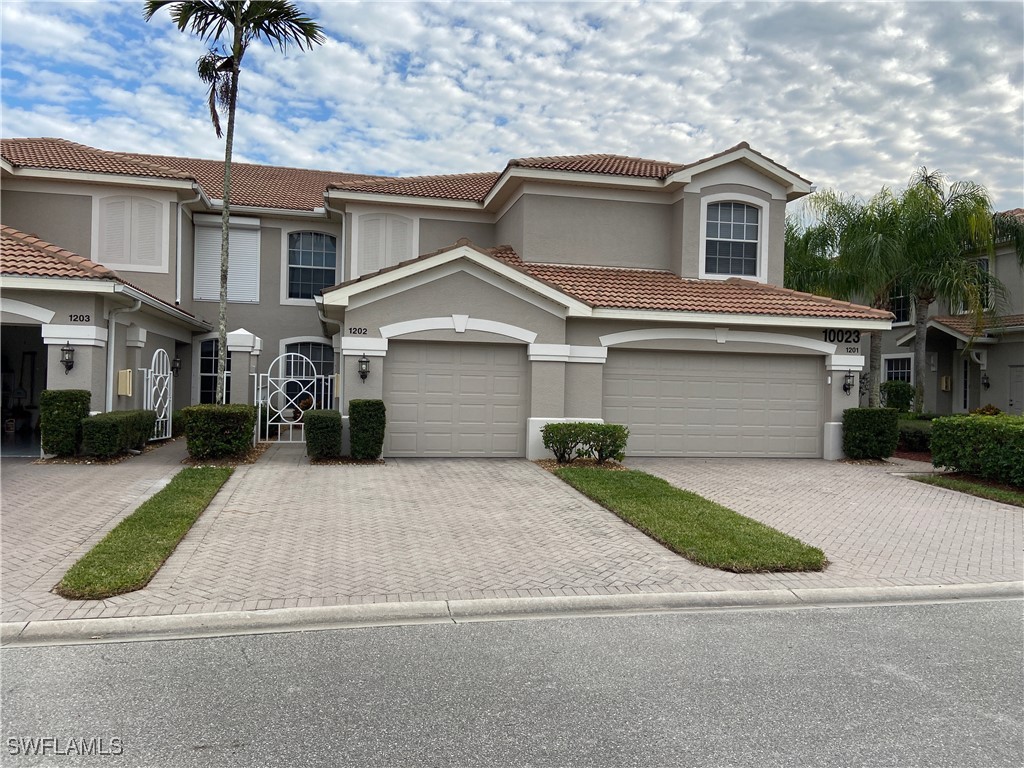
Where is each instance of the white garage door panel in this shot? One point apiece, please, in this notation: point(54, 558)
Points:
point(708, 404)
point(455, 399)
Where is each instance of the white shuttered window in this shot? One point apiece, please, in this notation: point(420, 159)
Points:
point(385, 239)
point(130, 233)
point(243, 263)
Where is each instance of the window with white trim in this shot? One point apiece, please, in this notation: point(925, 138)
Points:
point(384, 239)
point(732, 233)
point(899, 305)
point(899, 368)
point(322, 358)
point(243, 261)
point(208, 373)
point(312, 261)
point(131, 233)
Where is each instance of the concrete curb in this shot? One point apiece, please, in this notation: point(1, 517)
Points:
point(184, 626)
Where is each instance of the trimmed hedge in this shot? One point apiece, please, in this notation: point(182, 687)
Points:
point(60, 419)
point(897, 394)
point(216, 431)
point(915, 434)
point(108, 434)
point(990, 447)
point(571, 439)
point(323, 434)
point(367, 420)
point(870, 433)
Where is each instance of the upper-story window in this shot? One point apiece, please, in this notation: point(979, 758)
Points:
point(732, 239)
point(243, 259)
point(899, 305)
point(131, 233)
point(384, 239)
point(312, 261)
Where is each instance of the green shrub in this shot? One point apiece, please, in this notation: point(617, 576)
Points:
point(991, 447)
point(60, 419)
point(870, 433)
point(915, 435)
point(605, 441)
point(109, 434)
point(898, 395)
point(565, 440)
point(323, 434)
point(216, 431)
point(367, 420)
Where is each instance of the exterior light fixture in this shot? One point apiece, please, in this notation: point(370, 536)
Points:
point(848, 381)
point(985, 380)
point(67, 357)
point(176, 366)
point(364, 367)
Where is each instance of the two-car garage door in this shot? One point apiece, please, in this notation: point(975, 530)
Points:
point(716, 404)
point(455, 399)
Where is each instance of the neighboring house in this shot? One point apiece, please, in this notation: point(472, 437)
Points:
point(969, 365)
point(479, 306)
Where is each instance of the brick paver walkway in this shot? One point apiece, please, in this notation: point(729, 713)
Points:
point(282, 533)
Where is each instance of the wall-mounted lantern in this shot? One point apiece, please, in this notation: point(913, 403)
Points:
point(985, 380)
point(176, 366)
point(364, 367)
point(67, 357)
point(848, 381)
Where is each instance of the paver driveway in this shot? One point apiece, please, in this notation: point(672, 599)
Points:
point(282, 533)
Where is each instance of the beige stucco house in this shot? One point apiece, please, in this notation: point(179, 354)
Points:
point(478, 306)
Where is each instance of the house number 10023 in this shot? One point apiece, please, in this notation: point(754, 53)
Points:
point(841, 337)
point(357, 331)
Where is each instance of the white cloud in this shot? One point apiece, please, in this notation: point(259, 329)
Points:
point(850, 95)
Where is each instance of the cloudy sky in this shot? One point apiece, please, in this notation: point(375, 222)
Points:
point(850, 95)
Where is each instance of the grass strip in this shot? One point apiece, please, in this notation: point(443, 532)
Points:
point(128, 557)
point(981, 490)
point(698, 529)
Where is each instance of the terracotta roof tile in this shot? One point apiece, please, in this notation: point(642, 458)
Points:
point(259, 186)
point(29, 256)
point(613, 165)
point(463, 186)
point(968, 325)
point(63, 155)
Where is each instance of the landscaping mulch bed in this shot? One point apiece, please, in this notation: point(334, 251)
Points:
point(346, 460)
point(551, 465)
point(924, 456)
point(113, 460)
point(249, 457)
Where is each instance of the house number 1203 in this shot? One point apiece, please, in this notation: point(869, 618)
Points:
point(80, 318)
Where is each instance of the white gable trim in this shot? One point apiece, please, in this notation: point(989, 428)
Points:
point(719, 335)
point(793, 183)
point(25, 310)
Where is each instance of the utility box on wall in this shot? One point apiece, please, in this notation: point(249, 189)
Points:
point(946, 383)
point(124, 382)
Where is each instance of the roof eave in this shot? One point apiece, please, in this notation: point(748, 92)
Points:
point(92, 177)
point(795, 186)
point(727, 318)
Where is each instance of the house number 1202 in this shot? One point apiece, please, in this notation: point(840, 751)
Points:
point(357, 331)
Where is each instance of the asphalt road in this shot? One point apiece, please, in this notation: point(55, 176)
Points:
point(928, 685)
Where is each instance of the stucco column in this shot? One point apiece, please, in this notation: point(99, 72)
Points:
point(354, 386)
point(244, 348)
point(838, 399)
point(89, 371)
point(135, 341)
point(559, 389)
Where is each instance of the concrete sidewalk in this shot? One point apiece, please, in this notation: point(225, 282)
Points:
point(285, 535)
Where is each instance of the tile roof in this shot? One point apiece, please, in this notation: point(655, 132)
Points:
point(63, 155)
point(259, 186)
point(29, 256)
point(462, 186)
point(968, 325)
point(612, 165)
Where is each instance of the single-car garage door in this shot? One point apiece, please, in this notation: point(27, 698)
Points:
point(455, 399)
point(712, 404)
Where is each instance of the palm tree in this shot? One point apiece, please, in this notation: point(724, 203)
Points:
point(948, 226)
point(850, 252)
point(236, 24)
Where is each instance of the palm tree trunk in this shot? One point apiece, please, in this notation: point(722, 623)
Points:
point(920, 340)
point(875, 370)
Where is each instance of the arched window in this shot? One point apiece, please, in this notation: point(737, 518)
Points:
point(312, 260)
point(322, 357)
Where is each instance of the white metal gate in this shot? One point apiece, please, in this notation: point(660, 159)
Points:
point(289, 388)
point(159, 394)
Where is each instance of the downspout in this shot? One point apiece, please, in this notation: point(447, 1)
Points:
point(181, 217)
point(344, 251)
point(111, 327)
point(324, 321)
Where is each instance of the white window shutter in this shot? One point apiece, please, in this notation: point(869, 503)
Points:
point(399, 239)
point(244, 265)
point(371, 244)
point(145, 233)
point(207, 265)
point(115, 242)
